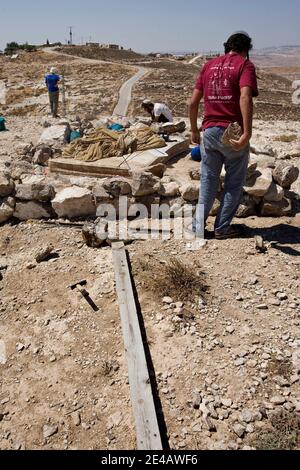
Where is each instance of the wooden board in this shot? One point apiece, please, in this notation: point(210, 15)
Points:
point(121, 166)
point(147, 430)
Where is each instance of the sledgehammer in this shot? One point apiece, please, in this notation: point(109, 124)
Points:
point(80, 287)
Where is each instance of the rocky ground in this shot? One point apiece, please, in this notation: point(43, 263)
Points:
point(172, 81)
point(235, 353)
point(92, 87)
point(226, 357)
point(178, 79)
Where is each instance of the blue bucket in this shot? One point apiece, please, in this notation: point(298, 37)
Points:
point(196, 154)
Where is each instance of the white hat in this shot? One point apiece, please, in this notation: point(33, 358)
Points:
point(53, 70)
point(147, 102)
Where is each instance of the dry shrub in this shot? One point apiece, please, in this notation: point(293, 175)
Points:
point(282, 367)
point(175, 279)
point(282, 434)
point(286, 138)
point(18, 95)
point(23, 111)
point(109, 367)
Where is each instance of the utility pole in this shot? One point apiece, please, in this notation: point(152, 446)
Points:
point(71, 35)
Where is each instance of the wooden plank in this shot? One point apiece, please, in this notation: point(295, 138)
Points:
point(147, 430)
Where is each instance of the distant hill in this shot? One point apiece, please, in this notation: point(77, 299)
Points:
point(281, 56)
point(110, 55)
point(278, 50)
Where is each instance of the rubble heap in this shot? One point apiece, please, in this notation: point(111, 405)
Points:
point(28, 191)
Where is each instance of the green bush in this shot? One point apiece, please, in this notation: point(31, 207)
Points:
point(13, 47)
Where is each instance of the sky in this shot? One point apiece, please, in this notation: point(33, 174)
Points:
point(151, 25)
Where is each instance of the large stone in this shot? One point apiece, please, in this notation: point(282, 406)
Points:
point(277, 209)
point(190, 192)
point(285, 175)
point(259, 183)
point(239, 430)
point(25, 148)
point(32, 179)
point(247, 207)
point(262, 161)
point(175, 205)
point(6, 185)
point(169, 189)
point(36, 191)
point(100, 195)
point(43, 253)
point(6, 209)
point(275, 193)
point(145, 184)
point(42, 155)
point(74, 202)
point(58, 134)
point(49, 430)
point(157, 170)
point(117, 187)
point(195, 175)
point(81, 181)
point(32, 210)
point(215, 208)
point(18, 169)
point(264, 150)
point(95, 234)
point(252, 166)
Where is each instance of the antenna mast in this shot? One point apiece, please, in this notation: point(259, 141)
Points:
point(71, 35)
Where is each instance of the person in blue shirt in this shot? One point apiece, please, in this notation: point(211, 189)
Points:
point(52, 81)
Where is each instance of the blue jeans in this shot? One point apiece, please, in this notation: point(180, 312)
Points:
point(214, 156)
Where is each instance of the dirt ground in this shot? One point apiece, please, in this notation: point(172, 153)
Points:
point(65, 363)
point(234, 351)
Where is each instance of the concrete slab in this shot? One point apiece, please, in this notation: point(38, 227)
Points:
point(122, 166)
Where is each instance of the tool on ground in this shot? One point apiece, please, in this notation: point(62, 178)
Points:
point(80, 287)
point(260, 244)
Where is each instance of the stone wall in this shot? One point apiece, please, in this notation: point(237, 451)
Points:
point(28, 191)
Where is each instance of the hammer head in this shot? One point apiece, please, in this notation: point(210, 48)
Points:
point(78, 284)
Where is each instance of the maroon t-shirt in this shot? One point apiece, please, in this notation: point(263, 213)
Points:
point(220, 81)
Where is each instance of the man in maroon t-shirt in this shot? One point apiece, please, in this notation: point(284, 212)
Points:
point(228, 85)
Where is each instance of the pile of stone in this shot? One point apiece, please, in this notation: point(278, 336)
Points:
point(30, 196)
point(27, 191)
point(52, 141)
point(267, 192)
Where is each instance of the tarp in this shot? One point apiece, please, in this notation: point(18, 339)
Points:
point(104, 143)
point(2, 124)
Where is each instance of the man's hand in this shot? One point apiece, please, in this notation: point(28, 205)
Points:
point(195, 137)
point(241, 143)
point(246, 104)
point(194, 107)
